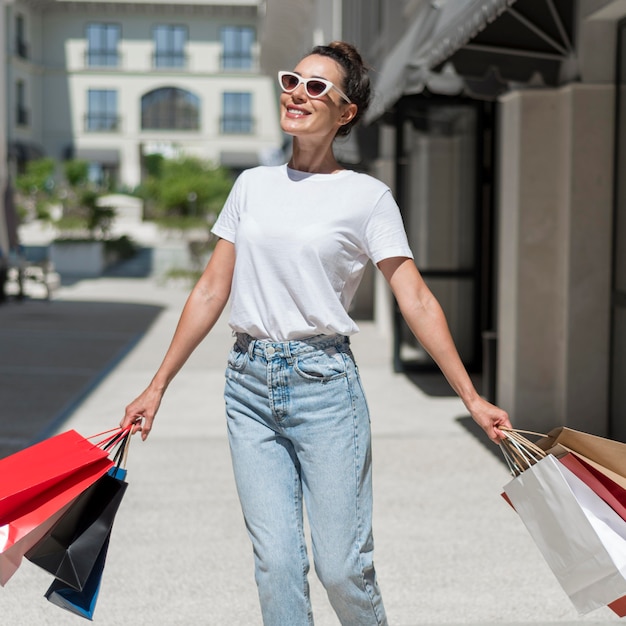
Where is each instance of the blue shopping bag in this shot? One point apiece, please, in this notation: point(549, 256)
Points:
point(82, 603)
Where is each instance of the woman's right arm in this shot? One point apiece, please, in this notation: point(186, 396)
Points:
point(200, 313)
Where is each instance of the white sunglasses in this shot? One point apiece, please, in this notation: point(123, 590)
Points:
point(314, 87)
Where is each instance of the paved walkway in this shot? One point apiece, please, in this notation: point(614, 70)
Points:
point(448, 549)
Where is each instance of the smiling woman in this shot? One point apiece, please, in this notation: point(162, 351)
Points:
point(294, 241)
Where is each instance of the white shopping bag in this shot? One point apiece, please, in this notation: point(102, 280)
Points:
point(581, 537)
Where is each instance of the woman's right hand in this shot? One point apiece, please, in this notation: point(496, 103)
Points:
point(140, 413)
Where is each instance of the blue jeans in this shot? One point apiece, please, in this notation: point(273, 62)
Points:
point(299, 432)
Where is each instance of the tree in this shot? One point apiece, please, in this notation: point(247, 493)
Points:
point(38, 177)
point(187, 187)
point(76, 172)
point(36, 188)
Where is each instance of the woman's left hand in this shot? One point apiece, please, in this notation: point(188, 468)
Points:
point(490, 418)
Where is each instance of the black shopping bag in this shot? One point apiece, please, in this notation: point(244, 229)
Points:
point(71, 548)
point(82, 603)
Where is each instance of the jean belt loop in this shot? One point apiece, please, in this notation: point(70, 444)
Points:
point(288, 355)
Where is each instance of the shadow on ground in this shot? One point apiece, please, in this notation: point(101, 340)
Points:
point(53, 354)
point(435, 385)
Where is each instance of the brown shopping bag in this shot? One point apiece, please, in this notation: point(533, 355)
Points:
point(582, 538)
point(605, 455)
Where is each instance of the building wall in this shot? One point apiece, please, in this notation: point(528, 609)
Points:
point(555, 211)
point(59, 78)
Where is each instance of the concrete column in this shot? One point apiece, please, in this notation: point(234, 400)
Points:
point(555, 212)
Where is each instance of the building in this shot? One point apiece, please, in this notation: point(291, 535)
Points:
point(111, 81)
point(500, 125)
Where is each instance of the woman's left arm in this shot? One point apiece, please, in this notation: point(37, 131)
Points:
point(427, 322)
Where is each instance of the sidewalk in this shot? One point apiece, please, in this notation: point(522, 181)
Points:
point(448, 548)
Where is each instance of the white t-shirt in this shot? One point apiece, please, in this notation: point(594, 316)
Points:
point(302, 242)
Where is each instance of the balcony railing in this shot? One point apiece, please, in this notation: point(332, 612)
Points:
point(169, 60)
point(237, 125)
point(102, 58)
point(102, 123)
point(242, 62)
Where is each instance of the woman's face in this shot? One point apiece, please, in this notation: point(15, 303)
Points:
point(303, 116)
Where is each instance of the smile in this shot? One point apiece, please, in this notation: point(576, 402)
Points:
point(298, 112)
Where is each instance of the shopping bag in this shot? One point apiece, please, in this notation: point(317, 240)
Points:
point(29, 521)
point(35, 469)
point(619, 606)
point(601, 453)
point(82, 603)
point(611, 492)
point(580, 536)
point(71, 547)
point(29, 518)
point(603, 483)
point(11, 558)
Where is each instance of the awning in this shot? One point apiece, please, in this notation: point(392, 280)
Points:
point(240, 160)
point(104, 156)
point(478, 47)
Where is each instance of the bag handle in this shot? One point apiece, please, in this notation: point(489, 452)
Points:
point(121, 452)
point(116, 443)
point(518, 451)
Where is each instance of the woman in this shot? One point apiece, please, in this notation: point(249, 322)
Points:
point(293, 243)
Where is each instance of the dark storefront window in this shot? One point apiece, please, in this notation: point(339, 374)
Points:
point(446, 204)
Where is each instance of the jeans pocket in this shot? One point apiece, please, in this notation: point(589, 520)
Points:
point(321, 366)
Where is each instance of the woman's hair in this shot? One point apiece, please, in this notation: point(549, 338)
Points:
point(356, 80)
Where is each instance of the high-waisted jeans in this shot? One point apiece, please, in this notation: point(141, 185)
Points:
point(299, 432)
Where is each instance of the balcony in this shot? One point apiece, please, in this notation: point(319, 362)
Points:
point(169, 60)
point(239, 62)
point(102, 123)
point(237, 125)
point(102, 58)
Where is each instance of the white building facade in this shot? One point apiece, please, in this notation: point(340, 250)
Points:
point(111, 82)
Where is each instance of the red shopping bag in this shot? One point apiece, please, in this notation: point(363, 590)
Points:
point(612, 493)
point(31, 471)
point(40, 510)
point(11, 558)
point(21, 527)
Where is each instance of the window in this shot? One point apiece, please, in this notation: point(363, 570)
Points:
point(170, 108)
point(169, 46)
point(21, 48)
point(21, 112)
point(237, 42)
point(102, 42)
point(237, 113)
point(102, 110)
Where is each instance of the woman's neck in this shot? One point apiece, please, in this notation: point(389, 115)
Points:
point(313, 158)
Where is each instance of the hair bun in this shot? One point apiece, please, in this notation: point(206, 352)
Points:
point(356, 81)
